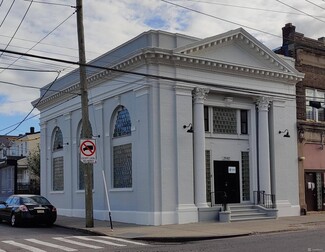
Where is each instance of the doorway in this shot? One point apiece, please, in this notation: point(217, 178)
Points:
point(311, 191)
point(226, 182)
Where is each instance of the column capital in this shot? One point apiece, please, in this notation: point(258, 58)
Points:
point(200, 94)
point(263, 103)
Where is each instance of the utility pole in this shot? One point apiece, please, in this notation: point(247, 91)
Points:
point(86, 132)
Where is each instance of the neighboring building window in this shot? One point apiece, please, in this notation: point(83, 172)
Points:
point(58, 139)
point(57, 160)
point(122, 149)
point(244, 122)
point(313, 113)
point(58, 178)
point(26, 152)
point(224, 120)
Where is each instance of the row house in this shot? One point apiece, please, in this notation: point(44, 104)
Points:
point(309, 55)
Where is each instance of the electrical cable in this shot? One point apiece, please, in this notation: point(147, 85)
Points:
point(22, 20)
point(48, 34)
point(34, 105)
point(5, 17)
point(309, 15)
point(315, 4)
point(222, 19)
point(50, 3)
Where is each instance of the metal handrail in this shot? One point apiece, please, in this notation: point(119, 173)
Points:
point(263, 199)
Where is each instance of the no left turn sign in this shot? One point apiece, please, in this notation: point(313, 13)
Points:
point(88, 151)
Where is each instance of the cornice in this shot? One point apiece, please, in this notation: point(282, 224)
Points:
point(161, 56)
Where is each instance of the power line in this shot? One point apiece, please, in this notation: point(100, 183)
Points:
point(222, 19)
point(5, 17)
point(50, 3)
point(315, 4)
point(19, 25)
point(48, 34)
point(34, 105)
point(244, 7)
point(309, 15)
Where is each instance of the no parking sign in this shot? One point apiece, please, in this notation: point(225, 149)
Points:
point(88, 151)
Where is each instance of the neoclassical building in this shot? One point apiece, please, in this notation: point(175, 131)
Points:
point(179, 122)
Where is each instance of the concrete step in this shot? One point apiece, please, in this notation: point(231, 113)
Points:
point(245, 212)
point(251, 218)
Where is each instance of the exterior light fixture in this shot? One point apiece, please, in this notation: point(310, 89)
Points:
point(285, 132)
point(189, 128)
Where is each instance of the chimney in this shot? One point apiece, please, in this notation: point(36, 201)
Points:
point(32, 130)
point(322, 39)
point(287, 33)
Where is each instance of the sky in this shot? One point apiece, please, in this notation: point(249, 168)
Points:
point(49, 28)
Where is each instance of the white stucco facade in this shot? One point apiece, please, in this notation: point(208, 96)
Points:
point(172, 172)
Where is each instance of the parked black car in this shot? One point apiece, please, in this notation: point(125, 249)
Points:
point(27, 208)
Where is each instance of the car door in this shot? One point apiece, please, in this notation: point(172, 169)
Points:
point(6, 209)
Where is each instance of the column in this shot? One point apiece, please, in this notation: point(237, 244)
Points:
point(263, 104)
point(199, 148)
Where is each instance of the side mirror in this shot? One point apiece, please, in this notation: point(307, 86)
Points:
point(3, 203)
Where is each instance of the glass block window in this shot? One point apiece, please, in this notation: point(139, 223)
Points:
point(58, 178)
point(245, 176)
point(122, 123)
point(122, 166)
point(208, 174)
point(224, 120)
point(58, 139)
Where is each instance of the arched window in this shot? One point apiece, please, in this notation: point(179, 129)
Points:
point(57, 161)
point(58, 139)
point(122, 149)
point(122, 123)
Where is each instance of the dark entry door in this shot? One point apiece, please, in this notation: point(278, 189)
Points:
point(311, 191)
point(226, 181)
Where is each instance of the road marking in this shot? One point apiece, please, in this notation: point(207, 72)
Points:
point(52, 245)
point(24, 246)
point(2, 250)
point(76, 243)
point(123, 240)
point(100, 241)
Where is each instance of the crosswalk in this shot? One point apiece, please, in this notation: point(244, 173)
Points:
point(69, 243)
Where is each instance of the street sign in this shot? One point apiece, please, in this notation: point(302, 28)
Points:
point(88, 151)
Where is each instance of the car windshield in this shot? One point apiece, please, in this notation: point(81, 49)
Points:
point(35, 200)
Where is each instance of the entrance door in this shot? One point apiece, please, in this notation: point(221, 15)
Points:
point(226, 182)
point(311, 191)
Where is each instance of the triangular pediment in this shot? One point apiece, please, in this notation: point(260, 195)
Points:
point(238, 48)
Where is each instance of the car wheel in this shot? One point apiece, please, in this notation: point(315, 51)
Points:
point(13, 221)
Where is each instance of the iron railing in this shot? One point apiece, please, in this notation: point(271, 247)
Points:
point(263, 199)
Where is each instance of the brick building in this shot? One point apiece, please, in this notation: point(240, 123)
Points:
point(310, 59)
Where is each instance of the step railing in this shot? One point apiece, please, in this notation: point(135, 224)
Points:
point(263, 199)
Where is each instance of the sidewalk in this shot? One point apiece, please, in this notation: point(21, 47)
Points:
point(195, 231)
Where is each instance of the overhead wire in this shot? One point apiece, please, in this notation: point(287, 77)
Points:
point(222, 19)
point(48, 34)
point(34, 106)
point(309, 15)
point(5, 17)
point(22, 20)
point(317, 5)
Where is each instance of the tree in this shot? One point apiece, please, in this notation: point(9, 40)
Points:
point(34, 169)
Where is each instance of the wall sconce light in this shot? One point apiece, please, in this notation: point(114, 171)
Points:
point(189, 128)
point(286, 131)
